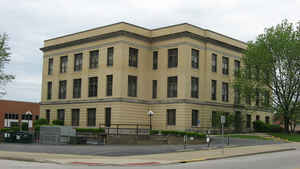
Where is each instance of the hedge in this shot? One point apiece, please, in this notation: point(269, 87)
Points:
point(91, 130)
point(260, 126)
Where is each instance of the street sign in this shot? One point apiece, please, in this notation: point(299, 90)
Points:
point(223, 120)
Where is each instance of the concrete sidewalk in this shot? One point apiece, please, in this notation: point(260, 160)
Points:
point(153, 159)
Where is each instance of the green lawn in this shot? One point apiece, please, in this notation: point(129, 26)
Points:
point(249, 137)
point(293, 137)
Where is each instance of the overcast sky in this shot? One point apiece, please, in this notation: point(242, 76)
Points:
point(29, 22)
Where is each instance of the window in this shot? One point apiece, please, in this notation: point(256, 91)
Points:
point(195, 118)
point(154, 89)
point(225, 92)
point(171, 117)
point(155, 60)
point(195, 58)
point(267, 98)
point(94, 59)
point(257, 97)
point(61, 115)
point(213, 90)
point(257, 117)
point(37, 117)
point(132, 86)
point(49, 91)
point(93, 86)
point(237, 98)
point(248, 123)
point(267, 119)
point(172, 86)
point(110, 56)
point(76, 88)
point(63, 64)
point(225, 65)
point(62, 89)
point(133, 57)
point(107, 116)
point(91, 117)
point(48, 116)
point(248, 99)
point(237, 65)
point(50, 66)
point(214, 62)
point(109, 85)
point(172, 57)
point(78, 62)
point(195, 87)
point(214, 119)
point(75, 117)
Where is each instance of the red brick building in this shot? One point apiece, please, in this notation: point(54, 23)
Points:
point(12, 113)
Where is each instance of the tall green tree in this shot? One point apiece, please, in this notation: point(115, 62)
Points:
point(4, 59)
point(271, 70)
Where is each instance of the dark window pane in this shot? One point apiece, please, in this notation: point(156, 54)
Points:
point(257, 117)
point(214, 90)
point(237, 96)
point(107, 116)
point(94, 59)
point(195, 87)
point(195, 118)
point(214, 119)
point(76, 88)
point(62, 89)
point(132, 86)
point(195, 58)
point(49, 91)
point(48, 116)
point(248, 121)
point(214, 63)
point(63, 64)
point(78, 62)
point(267, 120)
point(172, 86)
point(133, 57)
point(236, 67)
point(154, 89)
point(172, 57)
point(155, 60)
point(75, 117)
point(61, 115)
point(91, 117)
point(110, 56)
point(225, 65)
point(93, 86)
point(225, 92)
point(109, 85)
point(50, 66)
point(171, 117)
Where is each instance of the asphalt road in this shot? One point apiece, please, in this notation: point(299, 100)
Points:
point(125, 150)
point(280, 160)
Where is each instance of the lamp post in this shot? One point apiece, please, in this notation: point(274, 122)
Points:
point(150, 114)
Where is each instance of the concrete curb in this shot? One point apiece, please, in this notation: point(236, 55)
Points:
point(232, 156)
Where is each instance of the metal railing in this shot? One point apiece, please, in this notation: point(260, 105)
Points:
point(127, 129)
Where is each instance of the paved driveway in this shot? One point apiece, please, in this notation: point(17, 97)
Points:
point(125, 150)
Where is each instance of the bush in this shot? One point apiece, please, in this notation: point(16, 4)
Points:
point(153, 132)
point(58, 122)
point(260, 126)
point(12, 129)
point(40, 122)
point(91, 130)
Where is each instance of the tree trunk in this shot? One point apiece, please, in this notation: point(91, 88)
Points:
point(286, 124)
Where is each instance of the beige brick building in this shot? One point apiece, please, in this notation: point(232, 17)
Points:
point(115, 74)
